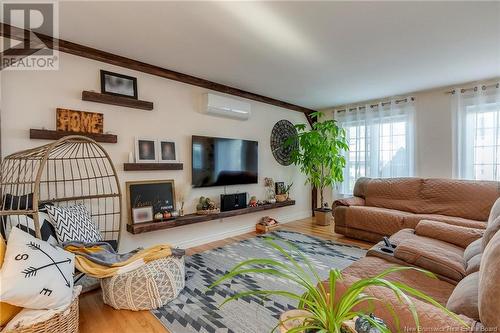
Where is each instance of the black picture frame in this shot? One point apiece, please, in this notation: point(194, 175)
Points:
point(105, 89)
point(159, 194)
point(279, 188)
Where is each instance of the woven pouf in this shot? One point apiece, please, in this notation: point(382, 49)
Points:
point(148, 287)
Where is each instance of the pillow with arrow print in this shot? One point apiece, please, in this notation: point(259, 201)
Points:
point(35, 274)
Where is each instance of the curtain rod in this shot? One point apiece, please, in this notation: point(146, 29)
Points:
point(483, 87)
point(375, 105)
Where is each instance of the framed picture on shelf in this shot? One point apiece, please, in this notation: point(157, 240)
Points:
point(157, 194)
point(146, 150)
point(167, 151)
point(279, 188)
point(118, 84)
point(142, 214)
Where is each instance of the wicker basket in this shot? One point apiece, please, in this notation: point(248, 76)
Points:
point(63, 322)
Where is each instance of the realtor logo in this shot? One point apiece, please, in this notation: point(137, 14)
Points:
point(28, 28)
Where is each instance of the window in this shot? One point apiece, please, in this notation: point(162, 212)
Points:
point(477, 142)
point(380, 141)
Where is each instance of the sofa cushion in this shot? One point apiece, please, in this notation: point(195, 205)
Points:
point(464, 299)
point(473, 264)
point(473, 249)
point(461, 236)
point(436, 256)
point(412, 220)
point(495, 211)
point(489, 275)
point(382, 221)
point(490, 231)
point(463, 198)
point(370, 266)
point(395, 193)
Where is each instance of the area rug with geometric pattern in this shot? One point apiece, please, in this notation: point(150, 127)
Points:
point(197, 310)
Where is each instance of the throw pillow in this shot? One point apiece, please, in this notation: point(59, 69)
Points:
point(13, 202)
point(7, 311)
point(35, 274)
point(474, 264)
point(26, 224)
point(473, 249)
point(74, 223)
point(464, 298)
point(491, 230)
point(495, 211)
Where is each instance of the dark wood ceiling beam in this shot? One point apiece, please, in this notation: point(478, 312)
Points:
point(114, 59)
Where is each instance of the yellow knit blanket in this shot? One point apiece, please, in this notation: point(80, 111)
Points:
point(91, 268)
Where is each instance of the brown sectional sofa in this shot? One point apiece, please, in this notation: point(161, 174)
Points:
point(381, 207)
point(474, 293)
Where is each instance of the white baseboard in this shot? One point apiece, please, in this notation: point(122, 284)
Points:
point(235, 232)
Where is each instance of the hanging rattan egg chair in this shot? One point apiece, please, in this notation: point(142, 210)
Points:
point(74, 169)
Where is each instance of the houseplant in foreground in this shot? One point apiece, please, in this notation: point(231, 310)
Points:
point(320, 156)
point(319, 309)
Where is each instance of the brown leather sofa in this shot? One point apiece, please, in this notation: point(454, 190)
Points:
point(381, 207)
point(474, 294)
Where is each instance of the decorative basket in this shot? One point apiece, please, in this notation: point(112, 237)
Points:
point(262, 229)
point(208, 211)
point(63, 322)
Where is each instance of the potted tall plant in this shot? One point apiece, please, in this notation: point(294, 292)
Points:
point(322, 308)
point(319, 153)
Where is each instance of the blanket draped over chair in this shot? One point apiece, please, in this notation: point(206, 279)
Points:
point(100, 260)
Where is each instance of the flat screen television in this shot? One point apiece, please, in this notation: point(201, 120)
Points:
point(220, 161)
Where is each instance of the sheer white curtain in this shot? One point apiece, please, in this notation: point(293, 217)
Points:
point(381, 140)
point(477, 133)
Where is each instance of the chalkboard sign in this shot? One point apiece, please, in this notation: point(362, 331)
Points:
point(158, 194)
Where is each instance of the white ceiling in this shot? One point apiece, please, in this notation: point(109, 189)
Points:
point(314, 54)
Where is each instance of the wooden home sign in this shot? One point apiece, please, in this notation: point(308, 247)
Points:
point(79, 121)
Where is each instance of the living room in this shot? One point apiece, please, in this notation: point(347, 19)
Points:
point(152, 149)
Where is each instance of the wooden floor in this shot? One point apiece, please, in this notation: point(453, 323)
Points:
point(96, 317)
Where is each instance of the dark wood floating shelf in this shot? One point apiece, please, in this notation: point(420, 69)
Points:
point(56, 135)
point(139, 228)
point(92, 96)
point(152, 166)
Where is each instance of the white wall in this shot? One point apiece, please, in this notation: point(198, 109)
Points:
point(30, 98)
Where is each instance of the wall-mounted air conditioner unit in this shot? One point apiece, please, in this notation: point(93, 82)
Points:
point(222, 106)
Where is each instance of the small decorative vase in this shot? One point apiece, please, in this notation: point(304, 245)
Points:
point(281, 197)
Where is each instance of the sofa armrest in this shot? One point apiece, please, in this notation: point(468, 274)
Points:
point(453, 234)
point(347, 202)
